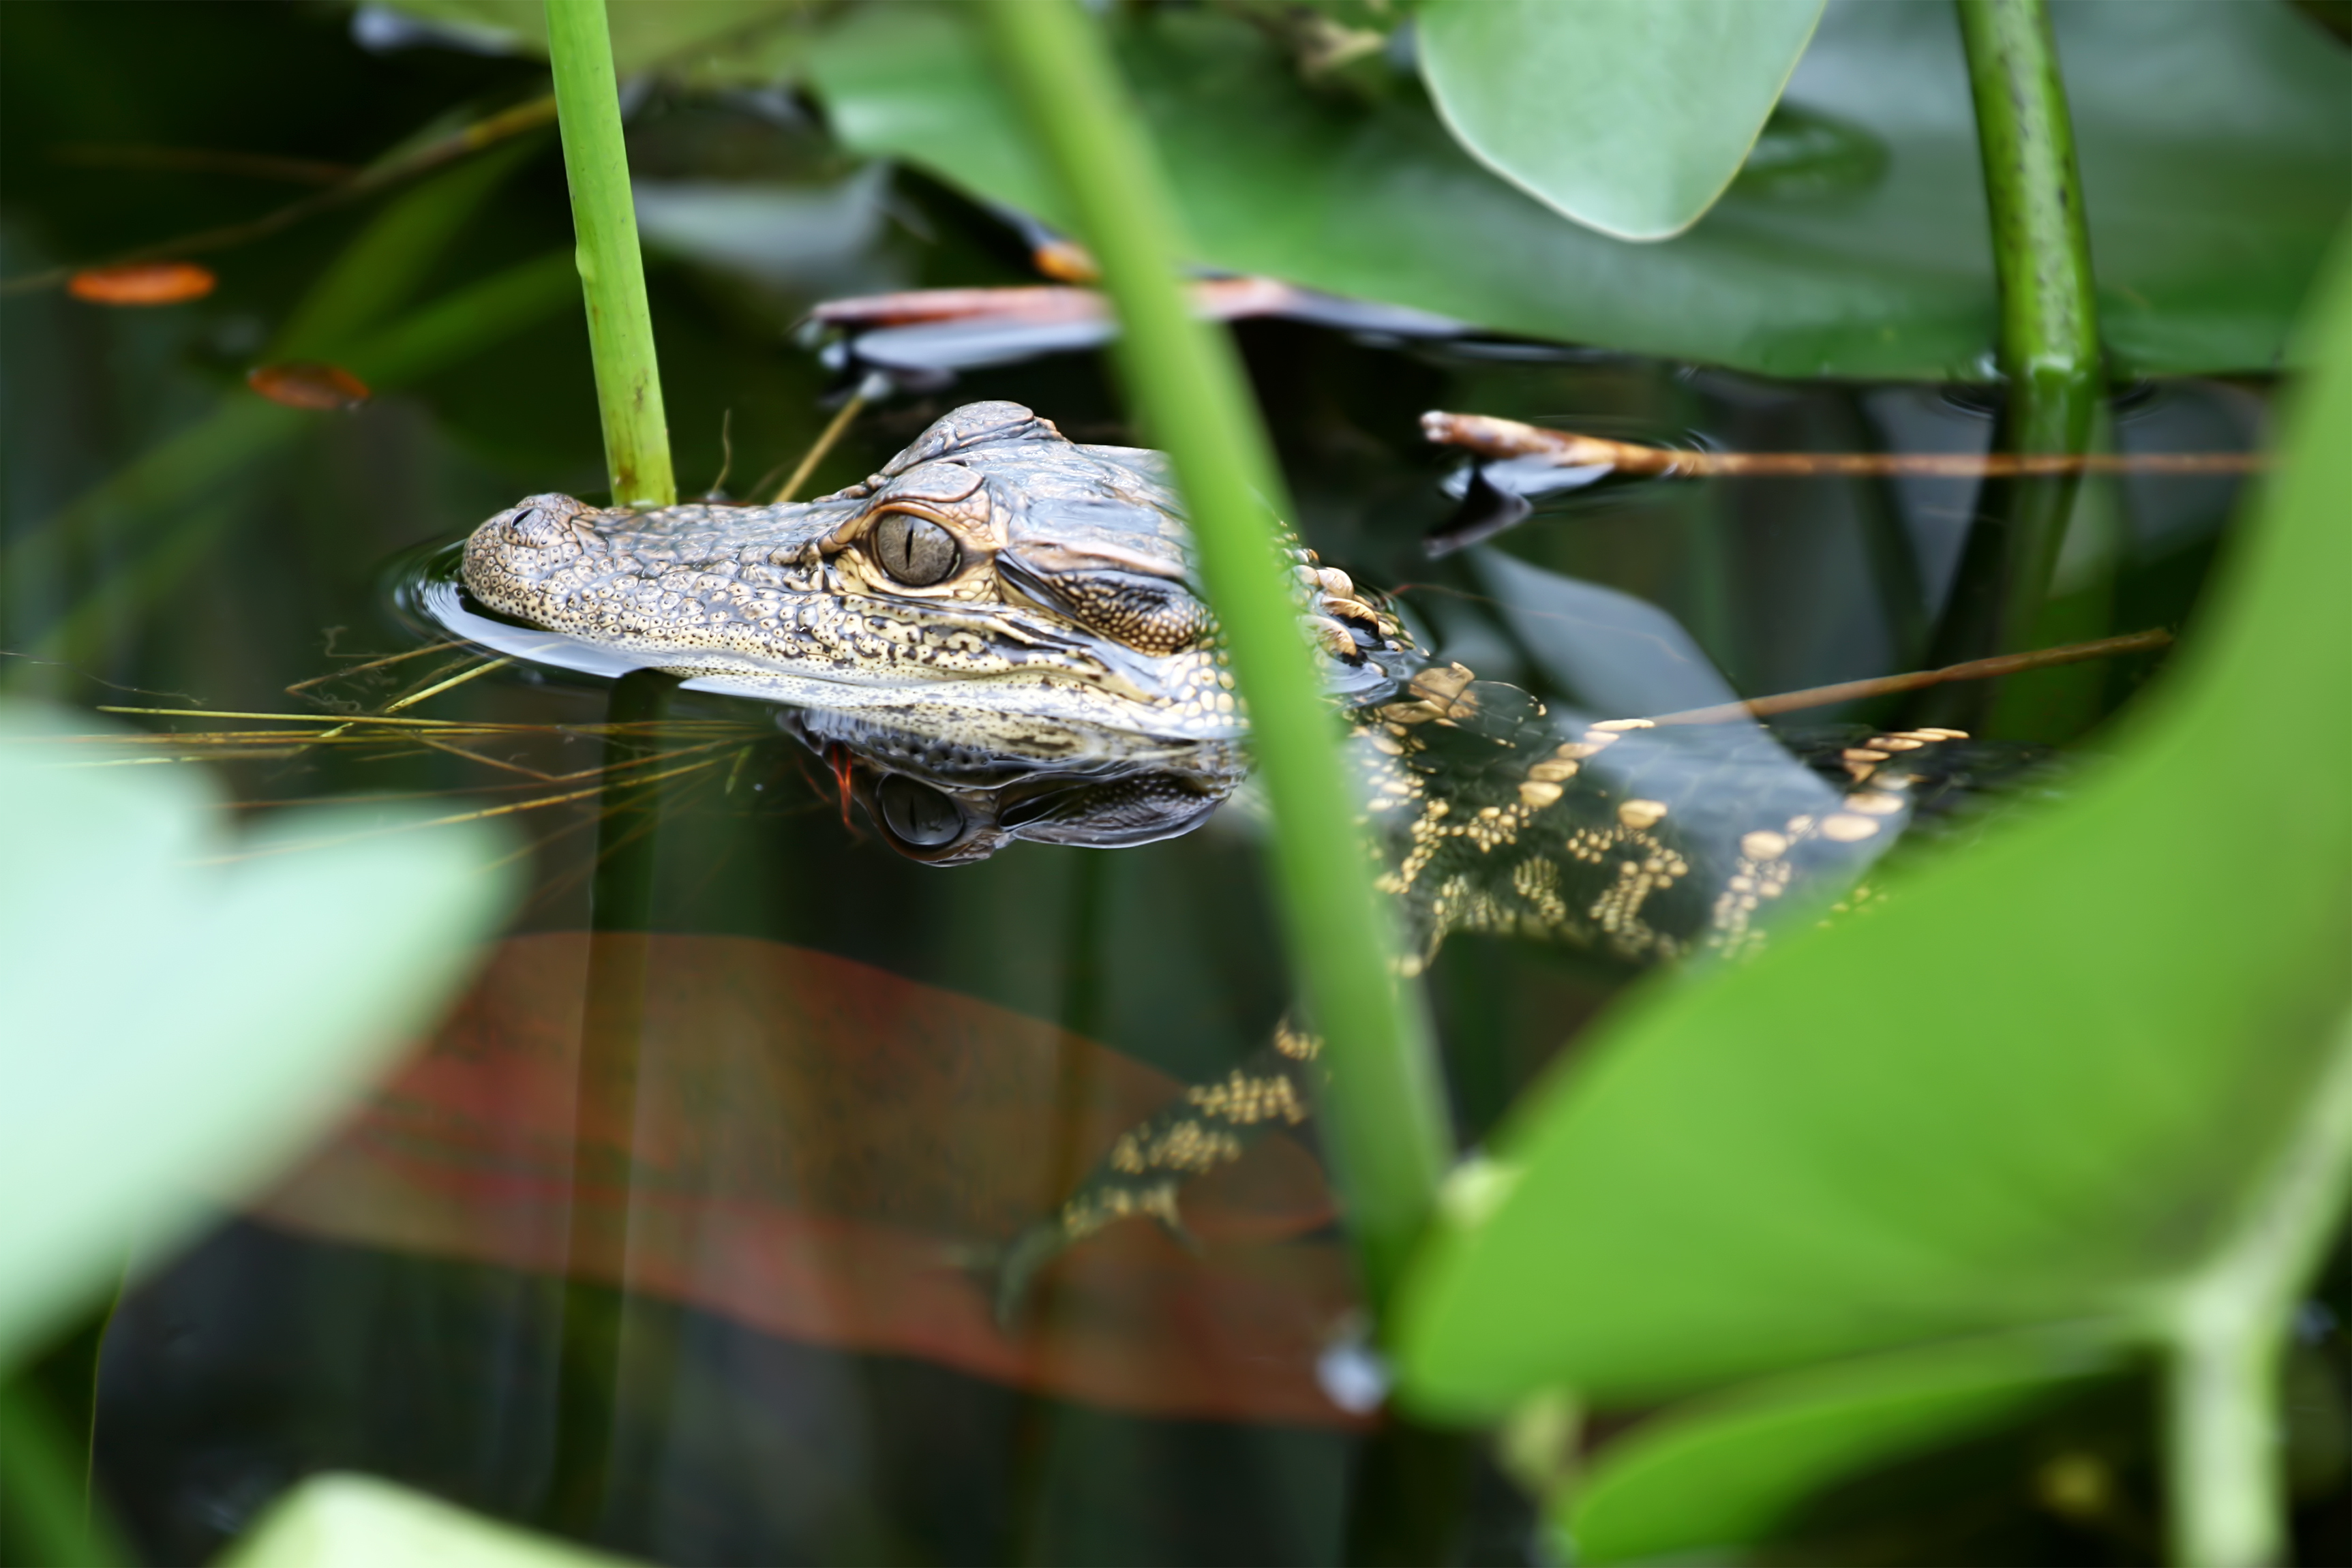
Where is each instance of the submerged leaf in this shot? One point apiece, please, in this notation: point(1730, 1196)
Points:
point(1629, 116)
point(830, 1153)
point(306, 383)
point(142, 283)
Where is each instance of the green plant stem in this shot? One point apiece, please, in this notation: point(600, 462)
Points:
point(71, 1372)
point(621, 896)
point(2228, 1327)
point(2049, 342)
point(46, 1512)
point(2041, 251)
point(621, 911)
point(611, 270)
point(1384, 1115)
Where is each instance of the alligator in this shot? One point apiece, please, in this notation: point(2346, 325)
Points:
point(1003, 635)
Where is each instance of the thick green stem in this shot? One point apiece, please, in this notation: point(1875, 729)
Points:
point(1385, 1121)
point(612, 272)
point(2049, 344)
point(2041, 251)
point(2228, 1327)
point(2222, 1469)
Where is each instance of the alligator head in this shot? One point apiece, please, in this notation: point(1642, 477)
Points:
point(994, 570)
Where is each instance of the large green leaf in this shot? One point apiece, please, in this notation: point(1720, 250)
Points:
point(1854, 244)
point(1629, 116)
point(2098, 1069)
point(185, 1008)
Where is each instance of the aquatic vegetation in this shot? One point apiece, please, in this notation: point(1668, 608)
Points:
point(1683, 94)
point(1883, 274)
point(1981, 1223)
point(2109, 1155)
point(275, 974)
point(612, 270)
point(307, 383)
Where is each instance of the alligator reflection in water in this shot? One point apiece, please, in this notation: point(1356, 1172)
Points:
point(947, 802)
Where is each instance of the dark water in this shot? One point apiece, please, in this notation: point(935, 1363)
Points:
point(398, 1307)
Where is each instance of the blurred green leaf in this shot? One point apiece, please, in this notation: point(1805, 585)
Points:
point(644, 32)
point(337, 1520)
point(148, 496)
point(1725, 1471)
point(2096, 1070)
point(1629, 116)
point(379, 270)
point(184, 1007)
point(2210, 138)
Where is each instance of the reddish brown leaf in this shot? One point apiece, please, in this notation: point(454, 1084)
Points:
point(823, 1150)
point(1045, 304)
point(142, 283)
point(306, 383)
point(1027, 302)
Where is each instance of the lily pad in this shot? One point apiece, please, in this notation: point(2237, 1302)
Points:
point(2214, 165)
point(1629, 116)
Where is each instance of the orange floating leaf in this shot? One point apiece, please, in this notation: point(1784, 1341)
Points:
point(306, 383)
point(825, 1152)
point(142, 283)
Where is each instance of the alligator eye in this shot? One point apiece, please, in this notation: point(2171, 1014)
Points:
point(915, 550)
point(917, 814)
